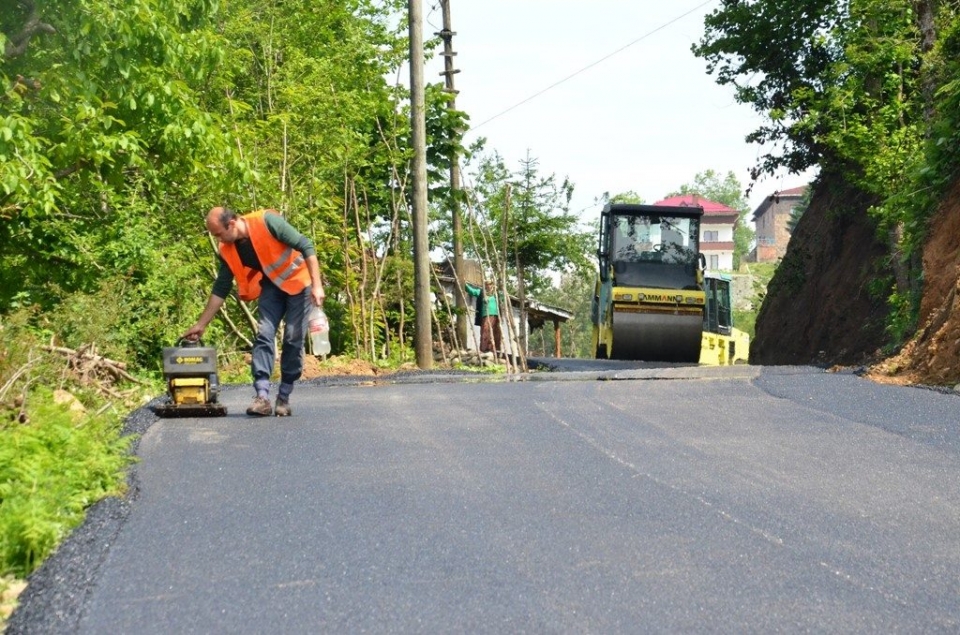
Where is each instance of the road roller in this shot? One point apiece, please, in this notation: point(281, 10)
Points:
point(652, 300)
point(649, 299)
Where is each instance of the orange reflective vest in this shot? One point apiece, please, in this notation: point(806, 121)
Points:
point(284, 265)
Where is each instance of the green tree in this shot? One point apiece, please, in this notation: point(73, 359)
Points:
point(851, 87)
point(796, 212)
point(104, 148)
point(574, 293)
point(623, 197)
point(525, 224)
point(310, 99)
point(305, 94)
point(782, 82)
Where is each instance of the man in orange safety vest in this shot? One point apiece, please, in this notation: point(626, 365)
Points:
point(276, 265)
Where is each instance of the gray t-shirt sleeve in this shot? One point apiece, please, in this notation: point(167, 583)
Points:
point(287, 234)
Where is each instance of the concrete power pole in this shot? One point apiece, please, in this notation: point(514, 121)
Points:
point(448, 72)
point(423, 338)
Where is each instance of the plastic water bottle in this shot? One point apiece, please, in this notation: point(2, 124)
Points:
point(319, 328)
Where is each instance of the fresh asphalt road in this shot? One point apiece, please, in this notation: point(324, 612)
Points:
point(735, 500)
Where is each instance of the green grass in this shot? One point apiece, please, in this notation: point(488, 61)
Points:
point(763, 271)
point(52, 468)
point(746, 321)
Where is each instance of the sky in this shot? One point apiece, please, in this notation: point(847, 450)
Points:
point(604, 92)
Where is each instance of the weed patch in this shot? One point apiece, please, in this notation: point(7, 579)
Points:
point(52, 468)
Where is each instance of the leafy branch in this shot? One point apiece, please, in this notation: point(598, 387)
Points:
point(16, 44)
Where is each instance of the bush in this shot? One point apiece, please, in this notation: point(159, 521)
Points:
point(52, 468)
point(56, 461)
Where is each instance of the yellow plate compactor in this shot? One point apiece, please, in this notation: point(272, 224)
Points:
point(190, 369)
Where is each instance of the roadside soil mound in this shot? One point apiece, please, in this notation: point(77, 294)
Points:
point(933, 356)
point(338, 366)
point(818, 309)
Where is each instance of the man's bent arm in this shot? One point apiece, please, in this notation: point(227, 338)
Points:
point(196, 331)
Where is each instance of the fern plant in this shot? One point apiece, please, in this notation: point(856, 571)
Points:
point(51, 469)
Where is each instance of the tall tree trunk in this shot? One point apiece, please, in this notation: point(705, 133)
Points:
point(926, 12)
point(348, 286)
point(366, 313)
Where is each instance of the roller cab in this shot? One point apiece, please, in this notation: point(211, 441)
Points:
point(721, 344)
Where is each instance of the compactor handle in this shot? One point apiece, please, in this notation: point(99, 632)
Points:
point(185, 343)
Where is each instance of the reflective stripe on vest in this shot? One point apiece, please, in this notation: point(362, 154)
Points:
point(282, 275)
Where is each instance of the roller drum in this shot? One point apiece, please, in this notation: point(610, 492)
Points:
point(656, 337)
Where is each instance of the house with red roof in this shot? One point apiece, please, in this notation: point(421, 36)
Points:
point(770, 219)
point(716, 229)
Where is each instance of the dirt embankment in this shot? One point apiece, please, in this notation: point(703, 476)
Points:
point(933, 356)
point(819, 308)
point(313, 367)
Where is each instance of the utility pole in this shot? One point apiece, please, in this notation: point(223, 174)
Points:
point(423, 338)
point(448, 72)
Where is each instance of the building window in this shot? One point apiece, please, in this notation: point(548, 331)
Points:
point(714, 262)
point(711, 236)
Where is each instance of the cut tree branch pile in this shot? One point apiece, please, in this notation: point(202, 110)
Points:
point(91, 368)
point(85, 366)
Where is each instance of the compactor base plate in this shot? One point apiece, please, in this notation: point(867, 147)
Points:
point(169, 410)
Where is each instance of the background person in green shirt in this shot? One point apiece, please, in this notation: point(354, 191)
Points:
point(487, 317)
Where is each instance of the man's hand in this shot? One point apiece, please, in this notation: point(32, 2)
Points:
point(316, 282)
point(194, 333)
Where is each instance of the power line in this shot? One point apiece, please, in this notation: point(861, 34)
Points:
point(592, 64)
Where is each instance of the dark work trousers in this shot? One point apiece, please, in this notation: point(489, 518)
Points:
point(276, 305)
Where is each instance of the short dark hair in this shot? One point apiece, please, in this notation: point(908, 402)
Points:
point(226, 215)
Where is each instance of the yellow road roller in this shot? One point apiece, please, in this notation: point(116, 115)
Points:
point(652, 301)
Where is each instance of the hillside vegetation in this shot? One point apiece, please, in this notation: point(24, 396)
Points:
point(866, 91)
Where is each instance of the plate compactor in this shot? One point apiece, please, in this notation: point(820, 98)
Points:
point(190, 369)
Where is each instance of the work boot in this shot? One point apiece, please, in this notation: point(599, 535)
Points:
point(260, 408)
point(283, 408)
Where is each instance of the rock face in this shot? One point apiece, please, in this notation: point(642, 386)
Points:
point(933, 356)
point(819, 308)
